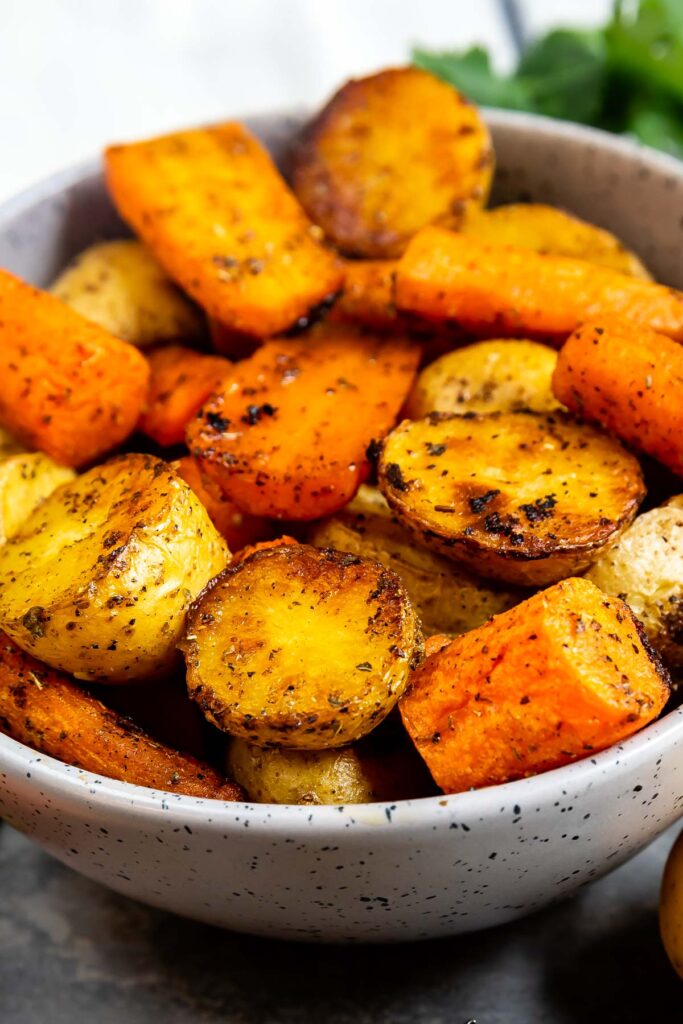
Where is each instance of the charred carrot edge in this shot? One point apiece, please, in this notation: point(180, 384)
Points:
point(67, 387)
point(562, 675)
point(47, 711)
point(181, 380)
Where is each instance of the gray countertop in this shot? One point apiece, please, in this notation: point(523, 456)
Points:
point(72, 952)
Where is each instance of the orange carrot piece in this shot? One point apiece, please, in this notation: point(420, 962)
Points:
point(494, 290)
point(562, 675)
point(368, 294)
point(266, 545)
point(47, 711)
point(67, 387)
point(213, 209)
point(627, 379)
point(181, 380)
point(238, 528)
point(288, 438)
point(231, 343)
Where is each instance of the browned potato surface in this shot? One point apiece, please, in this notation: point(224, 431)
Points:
point(522, 497)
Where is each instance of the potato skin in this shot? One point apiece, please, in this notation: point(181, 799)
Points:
point(98, 581)
point(25, 481)
point(645, 569)
point(489, 376)
point(388, 154)
point(301, 648)
point(446, 597)
point(521, 497)
point(120, 286)
point(671, 907)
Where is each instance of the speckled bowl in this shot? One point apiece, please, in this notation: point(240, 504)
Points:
point(410, 870)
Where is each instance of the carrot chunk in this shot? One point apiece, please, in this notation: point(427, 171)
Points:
point(67, 387)
point(181, 380)
point(368, 294)
point(562, 675)
point(238, 528)
point(215, 212)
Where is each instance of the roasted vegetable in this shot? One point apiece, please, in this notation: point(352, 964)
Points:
point(446, 597)
point(181, 381)
point(288, 437)
point(213, 209)
point(367, 296)
point(627, 379)
point(523, 497)
point(300, 648)
point(9, 445)
point(499, 290)
point(67, 387)
point(47, 711)
point(25, 481)
point(671, 907)
point(555, 679)
point(120, 286)
point(99, 579)
point(389, 154)
point(489, 376)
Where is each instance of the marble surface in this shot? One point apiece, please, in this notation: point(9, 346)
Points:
point(74, 953)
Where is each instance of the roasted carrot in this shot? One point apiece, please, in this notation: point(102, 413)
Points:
point(238, 528)
point(231, 343)
point(266, 545)
point(288, 438)
point(215, 212)
point(628, 380)
point(181, 380)
point(67, 387)
point(368, 294)
point(494, 290)
point(562, 675)
point(47, 711)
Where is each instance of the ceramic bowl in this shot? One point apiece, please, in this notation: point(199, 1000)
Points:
point(414, 869)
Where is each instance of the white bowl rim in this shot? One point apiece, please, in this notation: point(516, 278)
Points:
point(57, 777)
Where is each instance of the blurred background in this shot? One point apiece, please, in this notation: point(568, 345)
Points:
point(77, 74)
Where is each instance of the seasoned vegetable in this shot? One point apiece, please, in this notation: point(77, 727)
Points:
point(120, 286)
point(67, 387)
point(389, 154)
point(447, 598)
point(368, 294)
point(47, 711)
point(523, 497)
point(555, 679)
point(299, 647)
point(181, 381)
point(548, 229)
point(288, 437)
point(645, 569)
point(489, 376)
point(8, 445)
point(671, 907)
point(99, 579)
point(213, 209)
point(25, 481)
point(499, 290)
point(626, 378)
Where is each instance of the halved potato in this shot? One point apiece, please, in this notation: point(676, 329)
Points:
point(25, 481)
point(120, 286)
point(300, 647)
point(548, 229)
point(523, 497)
point(645, 569)
point(99, 578)
point(447, 598)
point(488, 376)
point(388, 154)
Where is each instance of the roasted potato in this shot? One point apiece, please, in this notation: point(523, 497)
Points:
point(645, 569)
point(522, 497)
point(671, 907)
point(120, 286)
point(99, 578)
point(25, 481)
point(446, 597)
point(488, 376)
point(387, 155)
point(301, 648)
point(548, 229)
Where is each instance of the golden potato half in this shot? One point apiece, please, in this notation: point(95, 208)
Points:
point(389, 154)
point(120, 286)
point(522, 497)
point(300, 647)
point(99, 578)
point(447, 598)
point(25, 481)
point(488, 376)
